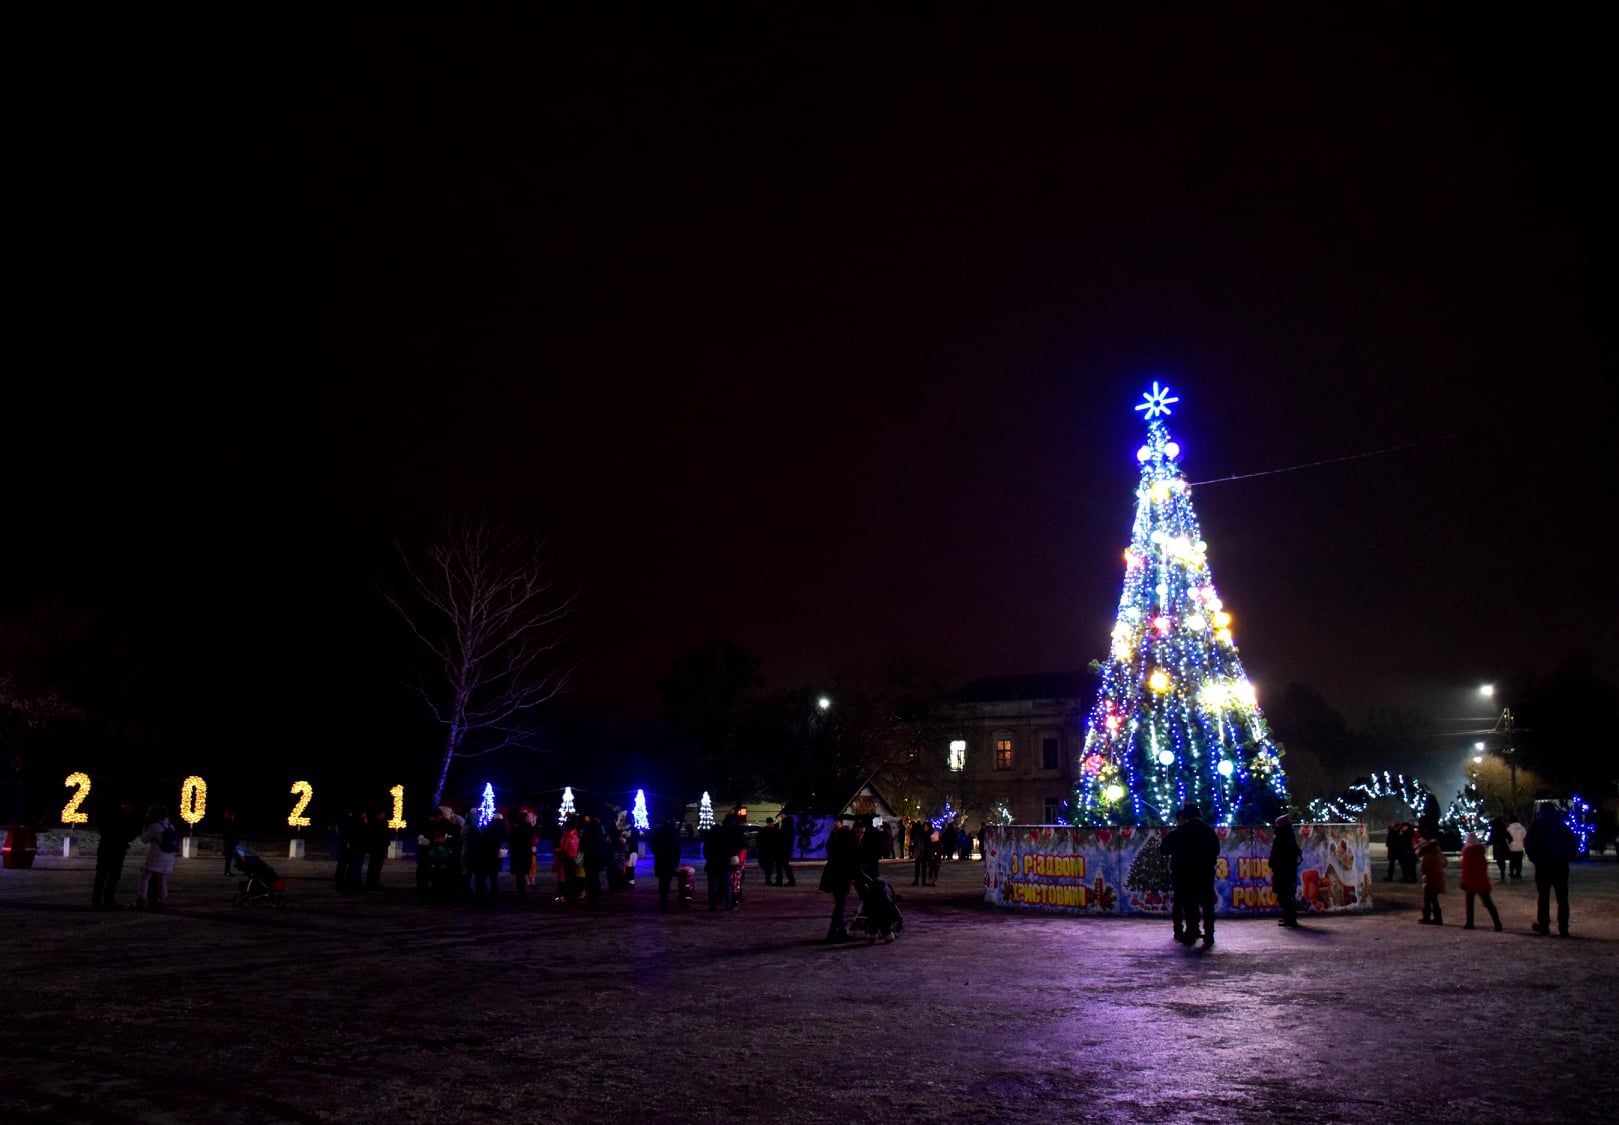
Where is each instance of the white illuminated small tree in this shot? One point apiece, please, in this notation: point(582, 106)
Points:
point(705, 813)
point(566, 809)
point(638, 815)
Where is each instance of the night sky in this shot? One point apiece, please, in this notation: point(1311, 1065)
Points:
point(816, 333)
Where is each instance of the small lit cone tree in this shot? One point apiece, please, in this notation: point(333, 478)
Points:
point(638, 815)
point(1175, 720)
point(485, 812)
point(565, 810)
point(705, 813)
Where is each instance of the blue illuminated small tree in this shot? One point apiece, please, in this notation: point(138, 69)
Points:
point(485, 812)
point(1176, 720)
point(638, 814)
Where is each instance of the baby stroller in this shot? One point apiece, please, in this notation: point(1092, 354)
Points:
point(262, 883)
point(879, 914)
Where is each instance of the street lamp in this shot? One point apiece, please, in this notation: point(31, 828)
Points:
point(823, 703)
point(1504, 725)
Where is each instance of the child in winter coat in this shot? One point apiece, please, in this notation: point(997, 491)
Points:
point(162, 842)
point(1475, 880)
point(1433, 881)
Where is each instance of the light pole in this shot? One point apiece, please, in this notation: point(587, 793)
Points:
point(1504, 725)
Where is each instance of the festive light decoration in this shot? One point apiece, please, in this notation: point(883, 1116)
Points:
point(306, 792)
point(1003, 813)
point(705, 813)
point(193, 799)
point(566, 808)
point(397, 821)
point(485, 812)
point(1351, 803)
point(638, 814)
point(70, 811)
point(1176, 719)
point(1581, 819)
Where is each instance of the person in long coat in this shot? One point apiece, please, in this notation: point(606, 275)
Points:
point(1475, 880)
point(1285, 855)
point(842, 864)
point(665, 845)
point(1433, 881)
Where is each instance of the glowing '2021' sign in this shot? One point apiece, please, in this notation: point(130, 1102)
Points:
point(70, 811)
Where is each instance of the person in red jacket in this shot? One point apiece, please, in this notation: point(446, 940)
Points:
point(1475, 880)
point(1433, 881)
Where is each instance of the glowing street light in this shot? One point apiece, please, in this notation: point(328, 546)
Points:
point(823, 703)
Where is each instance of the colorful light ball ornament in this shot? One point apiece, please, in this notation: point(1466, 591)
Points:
point(1166, 757)
point(1225, 768)
point(1113, 792)
point(193, 799)
point(70, 811)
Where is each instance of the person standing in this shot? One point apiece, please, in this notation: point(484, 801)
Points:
point(1391, 844)
point(1500, 846)
point(492, 837)
point(1551, 847)
point(1194, 865)
point(1516, 834)
point(376, 848)
point(787, 839)
point(1285, 855)
point(842, 864)
point(118, 829)
point(1475, 880)
point(717, 857)
point(230, 835)
point(665, 845)
point(870, 850)
point(1433, 881)
point(1171, 843)
point(593, 851)
point(162, 845)
point(565, 861)
point(921, 851)
point(521, 848)
point(765, 844)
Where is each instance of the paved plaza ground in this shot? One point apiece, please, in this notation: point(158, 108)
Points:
point(373, 1008)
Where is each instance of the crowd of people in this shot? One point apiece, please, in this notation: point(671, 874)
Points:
point(459, 860)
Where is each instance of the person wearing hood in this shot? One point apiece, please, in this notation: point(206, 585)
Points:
point(1433, 881)
point(1285, 856)
point(1475, 880)
point(163, 844)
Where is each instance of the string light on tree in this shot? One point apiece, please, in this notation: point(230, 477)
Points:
point(638, 814)
point(705, 813)
point(1176, 719)
point(565, 810)
point(485, 812)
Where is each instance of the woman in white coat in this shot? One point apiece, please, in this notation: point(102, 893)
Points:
point(163, 842)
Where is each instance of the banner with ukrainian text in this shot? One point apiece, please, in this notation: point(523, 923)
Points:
point(1121, 871)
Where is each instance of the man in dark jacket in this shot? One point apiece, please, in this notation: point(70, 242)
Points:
point(119, 825)
point(1285, 855)
point(665, 845)
point(1551, 847)
point(788, 840)
point(1173, 840)
point(486, 860)
point(765, 844)
point(1195, 857)
point(842, 863)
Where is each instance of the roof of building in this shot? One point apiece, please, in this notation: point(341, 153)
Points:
point(1041, 685)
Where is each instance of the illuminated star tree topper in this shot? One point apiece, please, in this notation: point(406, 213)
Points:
point(1176, 720)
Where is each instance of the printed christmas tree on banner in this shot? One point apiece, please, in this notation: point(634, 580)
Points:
point(1176, 720)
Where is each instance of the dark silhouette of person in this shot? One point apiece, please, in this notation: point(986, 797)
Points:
point(1551, 847)
point(1285, 856)
point(1169, 846)
point(665, 845)
point(486, 860)
point(1194, 867)
point(788, 838)
point(921, 851)
point(119, 825)
point(842, 864)
point(376, 848)
point(871, 850)
point(593, 851)
point(765, 844)
point(522, 832)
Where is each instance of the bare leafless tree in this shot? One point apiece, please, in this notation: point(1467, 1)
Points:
point(482, 605)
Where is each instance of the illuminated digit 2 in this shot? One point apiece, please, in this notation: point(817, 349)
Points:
point(297, 819)
point(70, 811)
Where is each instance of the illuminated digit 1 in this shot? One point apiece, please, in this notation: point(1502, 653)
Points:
point(193, 799)
point(398, 821)
point(297, 819)
point(70, 811)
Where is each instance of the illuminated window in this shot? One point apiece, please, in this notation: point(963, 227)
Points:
point(1003, 751)
point(958, 754)
point(1050, 812)
point(1048, 754)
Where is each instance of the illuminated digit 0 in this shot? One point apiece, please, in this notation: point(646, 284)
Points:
point(193, 799)
point(70, 811)
point(398, 821)
point(297, 819)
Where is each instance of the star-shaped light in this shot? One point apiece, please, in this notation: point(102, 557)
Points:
point(1158, 400)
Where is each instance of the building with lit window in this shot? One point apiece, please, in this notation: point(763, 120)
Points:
point(1012, 741)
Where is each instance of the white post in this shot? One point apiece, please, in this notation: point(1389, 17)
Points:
point(295, 848)
point(70, 847)
point(396, 849)
point(188, 847)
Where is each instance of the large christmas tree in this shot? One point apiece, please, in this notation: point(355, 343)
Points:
point(1176, 720)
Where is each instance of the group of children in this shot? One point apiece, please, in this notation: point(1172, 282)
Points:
point(1475, 880)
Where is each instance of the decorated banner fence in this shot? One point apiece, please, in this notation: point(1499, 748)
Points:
point(1121, 871)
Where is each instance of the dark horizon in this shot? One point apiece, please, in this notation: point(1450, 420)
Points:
point(825, 345)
